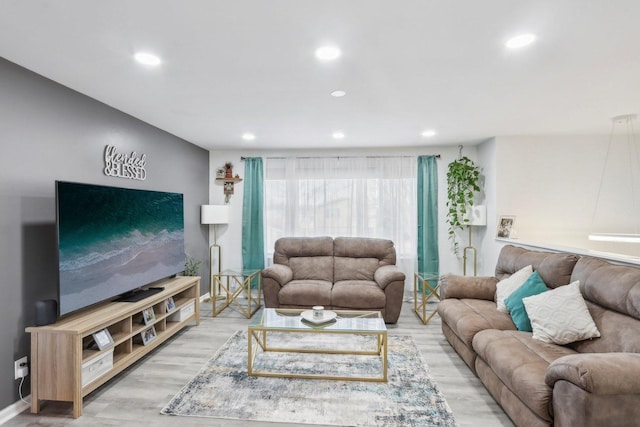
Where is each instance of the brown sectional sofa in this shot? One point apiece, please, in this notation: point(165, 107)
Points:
point(593, 382)
point(345, 273)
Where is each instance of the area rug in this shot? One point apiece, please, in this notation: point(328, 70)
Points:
point(222, 388)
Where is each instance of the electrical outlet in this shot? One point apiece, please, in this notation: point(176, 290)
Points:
point(21, 367)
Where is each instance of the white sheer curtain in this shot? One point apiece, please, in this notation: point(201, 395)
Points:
point(343, 196)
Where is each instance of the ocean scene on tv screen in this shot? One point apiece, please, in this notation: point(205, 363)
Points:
point(112, 240)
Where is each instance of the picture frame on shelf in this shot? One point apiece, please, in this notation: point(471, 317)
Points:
point(220, 172)
point(148, 335)
point(103, 339)
point(171, 305)
point(148, 315)
point(505, 226)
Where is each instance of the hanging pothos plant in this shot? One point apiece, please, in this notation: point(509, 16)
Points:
point(462, 185)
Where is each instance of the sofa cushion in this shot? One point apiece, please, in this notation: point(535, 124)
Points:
point(618, 332)
point(560, 316)
point(358, 258)
point(513, 258)
point(360, 294)
point(312, 268)
point(348, 268)
point(554, 268)
point(454, 286)
point(616, 287)
point(505, 287)
point(466, 317)
point(532, 286)
point(521, 362)
point(308, 257)
point(306, 293)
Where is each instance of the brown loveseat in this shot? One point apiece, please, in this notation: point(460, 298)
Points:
point(594, 382)
point(348, 273)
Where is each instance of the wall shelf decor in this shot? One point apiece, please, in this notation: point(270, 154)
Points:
point(228, 184)
point(228, 187)
point(226, 177)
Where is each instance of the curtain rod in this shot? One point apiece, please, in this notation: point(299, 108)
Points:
point(437, 156)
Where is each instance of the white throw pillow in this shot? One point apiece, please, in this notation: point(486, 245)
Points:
point(505, 287)
point(560, 316)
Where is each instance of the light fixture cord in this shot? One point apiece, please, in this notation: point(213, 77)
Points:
point(604, 169)
point(633, 153)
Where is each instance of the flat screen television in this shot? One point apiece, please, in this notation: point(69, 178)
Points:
point(114, 240)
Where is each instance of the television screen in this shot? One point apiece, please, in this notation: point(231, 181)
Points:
point(113, 240)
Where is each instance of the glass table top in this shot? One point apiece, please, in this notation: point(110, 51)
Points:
point(287, 319)
point(425, 275)
point(236, 272)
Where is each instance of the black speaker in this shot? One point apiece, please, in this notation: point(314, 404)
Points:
point(46, 312)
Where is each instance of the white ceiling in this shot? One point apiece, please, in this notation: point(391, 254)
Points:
point(240, 66)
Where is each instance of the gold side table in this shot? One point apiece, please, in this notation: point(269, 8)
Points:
point(228, 285)
point(425, 287)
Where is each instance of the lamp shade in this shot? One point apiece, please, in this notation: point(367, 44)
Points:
point(214, 214)
point(477, 215)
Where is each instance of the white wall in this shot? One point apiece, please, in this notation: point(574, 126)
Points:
point(229, 236)
point(484, 237)
point(551, 185)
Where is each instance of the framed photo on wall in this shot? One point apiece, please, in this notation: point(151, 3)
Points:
point(505, 226)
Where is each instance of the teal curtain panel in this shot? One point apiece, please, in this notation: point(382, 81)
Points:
point(428, 259)
point(252, 215)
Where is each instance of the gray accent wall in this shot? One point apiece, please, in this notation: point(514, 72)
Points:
point(47, 133)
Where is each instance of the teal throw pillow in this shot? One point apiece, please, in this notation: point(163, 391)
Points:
point(533, 286)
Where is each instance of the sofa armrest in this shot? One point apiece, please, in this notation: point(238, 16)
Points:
point(280, 273)
point(598, 373)
point(387, 274)
point(453, 286)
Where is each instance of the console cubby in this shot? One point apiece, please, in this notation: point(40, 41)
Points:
point(62, 353)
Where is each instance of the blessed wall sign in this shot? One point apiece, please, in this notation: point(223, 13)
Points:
point(130, 166)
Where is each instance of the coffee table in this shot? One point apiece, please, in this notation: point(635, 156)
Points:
point(269, 320)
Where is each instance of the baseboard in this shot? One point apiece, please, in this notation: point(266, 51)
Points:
point(205, 297)
point(12, 410)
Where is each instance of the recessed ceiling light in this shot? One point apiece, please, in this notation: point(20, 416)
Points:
point(428, 133)
point(338, 135)
point(328, 53)
point(520, 41)
point(338, 93)
point(248, 136)
point(147, 58)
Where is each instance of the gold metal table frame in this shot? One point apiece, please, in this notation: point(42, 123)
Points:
point(348, 322)
point(425, 287)
point(228, 285)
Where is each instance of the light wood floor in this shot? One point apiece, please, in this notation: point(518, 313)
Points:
point(136, 396)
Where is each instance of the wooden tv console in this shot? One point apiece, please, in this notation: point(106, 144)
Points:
point(64, 352)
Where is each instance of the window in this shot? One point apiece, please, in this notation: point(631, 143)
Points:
point(352, 196)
